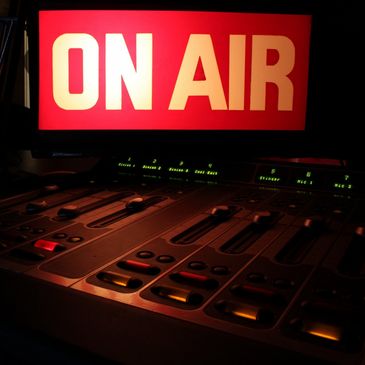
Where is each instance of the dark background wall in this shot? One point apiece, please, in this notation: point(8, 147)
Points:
point(4, 7)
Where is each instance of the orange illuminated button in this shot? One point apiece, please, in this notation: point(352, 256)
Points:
point(319, 330)
point(245, 311)
point(118, 279)
point(49, 246)
point(177, 294)
point(322, 330)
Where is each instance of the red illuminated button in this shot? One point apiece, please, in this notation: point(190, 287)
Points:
point(194, 279)
point(49, 246)
point(138, 266)
point(247, 290)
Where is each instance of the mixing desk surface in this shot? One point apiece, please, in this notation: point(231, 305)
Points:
point(172, 263)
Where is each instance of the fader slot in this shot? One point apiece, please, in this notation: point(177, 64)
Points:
point(18, 199)
point(353, 261)
point(58, 199)
point(262, 221)
point(134, 206)
point(26, 196)
point(217, 216)
point(15, 218)
point(299, 245)
point(73, 211)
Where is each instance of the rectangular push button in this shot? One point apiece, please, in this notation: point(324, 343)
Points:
point(124, 281)
point(319, 330)
point(194, 279)
point(49, 246)
point(245, 311)
point(177, 294)
point(257, 292)
point(322, 330)
point(137, 266)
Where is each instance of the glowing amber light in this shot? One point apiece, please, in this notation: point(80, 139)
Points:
point(118, 279)
point(243, 311)
point(177, 294)
point(114, 278)
point(178, 297)
point(245, 314)
point(328, 332)
point(174, 293)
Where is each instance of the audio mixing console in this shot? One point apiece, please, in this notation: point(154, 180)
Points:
point(169, 263)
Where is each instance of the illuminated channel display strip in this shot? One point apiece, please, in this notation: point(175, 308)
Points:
point(179, 168)
point(285, 176)
point(307, 180)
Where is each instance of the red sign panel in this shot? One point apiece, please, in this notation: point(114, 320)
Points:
point(172, 70)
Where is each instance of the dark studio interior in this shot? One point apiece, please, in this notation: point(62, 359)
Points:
point(181, 182)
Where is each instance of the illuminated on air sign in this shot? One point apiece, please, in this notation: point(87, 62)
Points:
point(117, 70)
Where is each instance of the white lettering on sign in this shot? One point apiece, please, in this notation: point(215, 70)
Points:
point(119, 65)
point(60, 64)
point(137, 79)
point(237, 49)
point(262, 73)
point(200, 46)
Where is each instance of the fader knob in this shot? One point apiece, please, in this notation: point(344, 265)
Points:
point(135, 203)
point(314, 223)
point(69, 211)
point(360, 231)
point(220, 210)
point(262, 217)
